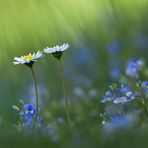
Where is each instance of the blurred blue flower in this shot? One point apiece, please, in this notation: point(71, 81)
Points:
point(113, 48)
point(117, 121)
point(104, 100)
point(115, 72)
point(121, 121)
point(84, 54)
point(75, 69)
point(133, 67)
point(141, 41)
point(78, 91)
point(144, 86)
point(52, 133)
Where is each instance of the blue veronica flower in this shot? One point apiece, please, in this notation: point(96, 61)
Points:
point(124, 95)
point(107, 97)
point(29, 109)
point(122, 89)
point(121, 95)
point(108, 94)
point(104, 100)
point(133, 67)
point(144, 86)
point(27, 116)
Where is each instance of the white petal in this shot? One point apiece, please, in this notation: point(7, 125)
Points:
point(15, 63)
point(18, 59)
point(48, 50)
point(37, 55)
point(56, 48)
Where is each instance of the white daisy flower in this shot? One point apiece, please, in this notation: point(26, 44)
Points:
point(57, 51)
point(27, 59)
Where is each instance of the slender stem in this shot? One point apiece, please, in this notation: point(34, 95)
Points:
point(65, 94)
point(36, 93)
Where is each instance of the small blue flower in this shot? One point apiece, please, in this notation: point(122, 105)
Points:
point(104, 100)
point(129, 94)
point(27, 116)
point(122, 89)
point(108, 94)
point(133, 67)
point(144, 86)
point(29, 109)
point(120, 95)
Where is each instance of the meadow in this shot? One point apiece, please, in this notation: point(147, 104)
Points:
point(104, 36)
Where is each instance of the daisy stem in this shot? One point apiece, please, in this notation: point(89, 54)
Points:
point(65, 94)
point(36, 93)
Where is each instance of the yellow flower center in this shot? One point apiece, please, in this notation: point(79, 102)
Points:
point(27, 57)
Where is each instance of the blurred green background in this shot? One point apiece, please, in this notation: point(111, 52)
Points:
point(90, 27)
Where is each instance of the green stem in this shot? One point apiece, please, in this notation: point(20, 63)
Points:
point(65, 94)
point(36, 93)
